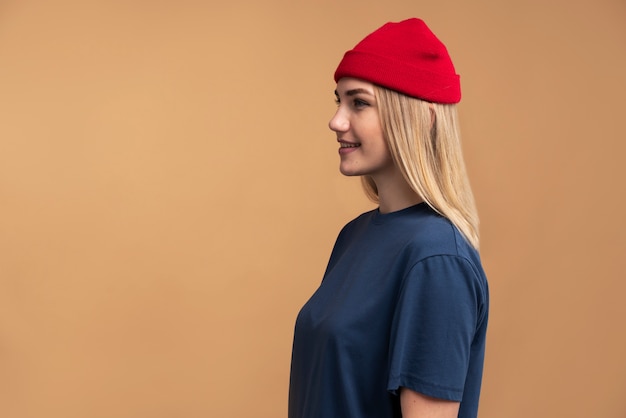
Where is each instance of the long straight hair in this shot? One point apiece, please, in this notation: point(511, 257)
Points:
point(425, 144)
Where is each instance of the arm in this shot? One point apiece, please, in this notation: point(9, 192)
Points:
point(437, 312)
point(416, 405)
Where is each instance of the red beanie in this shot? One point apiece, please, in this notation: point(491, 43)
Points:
point(406, 57)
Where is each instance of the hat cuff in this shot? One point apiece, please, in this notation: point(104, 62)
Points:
point(398, 76)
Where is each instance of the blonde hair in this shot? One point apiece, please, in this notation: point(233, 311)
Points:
point(431, 160)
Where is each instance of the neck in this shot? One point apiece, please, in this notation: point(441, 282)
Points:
point(394, 193)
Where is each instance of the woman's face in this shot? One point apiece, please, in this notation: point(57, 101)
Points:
point(363, 150)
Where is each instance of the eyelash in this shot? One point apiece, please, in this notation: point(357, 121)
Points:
point(356, 103)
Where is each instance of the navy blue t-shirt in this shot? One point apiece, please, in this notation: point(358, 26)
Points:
point(403, 303)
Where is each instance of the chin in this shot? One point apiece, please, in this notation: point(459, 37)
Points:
point(349, 173)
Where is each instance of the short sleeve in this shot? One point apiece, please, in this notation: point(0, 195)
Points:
point(434, 324)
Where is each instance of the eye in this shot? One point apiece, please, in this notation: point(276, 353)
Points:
point(337, 101)
point(360, 103)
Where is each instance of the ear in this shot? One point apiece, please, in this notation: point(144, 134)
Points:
point(433, 115)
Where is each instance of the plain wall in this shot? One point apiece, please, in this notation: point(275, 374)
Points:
point(169, 197)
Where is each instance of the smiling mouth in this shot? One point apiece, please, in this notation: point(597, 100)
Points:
point(346, 145)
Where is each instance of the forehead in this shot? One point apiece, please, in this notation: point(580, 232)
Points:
point(348, 84)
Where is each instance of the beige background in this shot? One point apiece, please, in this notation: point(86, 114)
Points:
point(169, 196)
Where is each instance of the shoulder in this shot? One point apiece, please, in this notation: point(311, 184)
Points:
point(417, 232)
point(437, 245)
point(434, 235)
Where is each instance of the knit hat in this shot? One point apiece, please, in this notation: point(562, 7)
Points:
point(406, 57)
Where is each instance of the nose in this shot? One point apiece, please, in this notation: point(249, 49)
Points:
point(339, 122)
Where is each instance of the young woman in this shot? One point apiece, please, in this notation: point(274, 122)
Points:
point(397, 327)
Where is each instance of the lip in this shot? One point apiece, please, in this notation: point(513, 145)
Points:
point(347, 150)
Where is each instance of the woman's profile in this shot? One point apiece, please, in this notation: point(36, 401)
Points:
point(397, 327)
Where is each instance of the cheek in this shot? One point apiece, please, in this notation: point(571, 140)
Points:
point(378, 137)
point(375, 132)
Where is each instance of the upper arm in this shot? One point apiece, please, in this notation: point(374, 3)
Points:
point(416, 405)
point(433, 328)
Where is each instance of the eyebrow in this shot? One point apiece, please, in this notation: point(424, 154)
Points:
point(354, 92)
